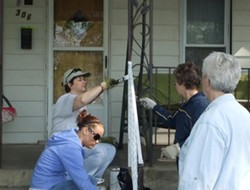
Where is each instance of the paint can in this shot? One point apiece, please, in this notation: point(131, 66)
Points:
point(114, 184)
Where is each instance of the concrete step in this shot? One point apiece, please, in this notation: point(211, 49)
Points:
point(15, 178)
point(156, 177)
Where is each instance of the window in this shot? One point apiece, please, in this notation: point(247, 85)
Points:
point(78, 23)
point(206, 25)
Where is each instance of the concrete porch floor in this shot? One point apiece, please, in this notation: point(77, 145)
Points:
point(18, 160)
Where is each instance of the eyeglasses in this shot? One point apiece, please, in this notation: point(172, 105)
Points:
point(73, 71)
point(96, 136)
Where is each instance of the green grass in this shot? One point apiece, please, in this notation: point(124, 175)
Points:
point(164, 92)
point(242, 90)
point(163, 89)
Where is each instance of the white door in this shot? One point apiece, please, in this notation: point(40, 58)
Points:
point(78, 39)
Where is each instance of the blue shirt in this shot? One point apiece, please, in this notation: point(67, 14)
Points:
point(184, 118)
point(217, 153)
point(64, 154)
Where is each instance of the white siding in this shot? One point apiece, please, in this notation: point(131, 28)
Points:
point(241, 28)
point(24, 75)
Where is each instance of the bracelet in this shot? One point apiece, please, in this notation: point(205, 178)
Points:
point(102, 88)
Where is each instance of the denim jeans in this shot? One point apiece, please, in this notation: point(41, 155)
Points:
point(65, 185)
point(70, 185)
point(98, 158)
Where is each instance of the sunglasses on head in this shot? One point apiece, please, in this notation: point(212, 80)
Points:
point(73, 71)
point(96, 136)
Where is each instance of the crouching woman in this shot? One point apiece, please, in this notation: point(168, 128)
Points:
point(61, 164)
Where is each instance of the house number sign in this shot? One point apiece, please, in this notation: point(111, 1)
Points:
point(23, 14)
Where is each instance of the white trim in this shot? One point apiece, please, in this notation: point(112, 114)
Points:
point(183, 12)
point(50, 18)
point(106, 54)
point(227, 26)
point(78, 48)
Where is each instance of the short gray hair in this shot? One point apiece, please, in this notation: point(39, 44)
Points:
point(223, 71)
